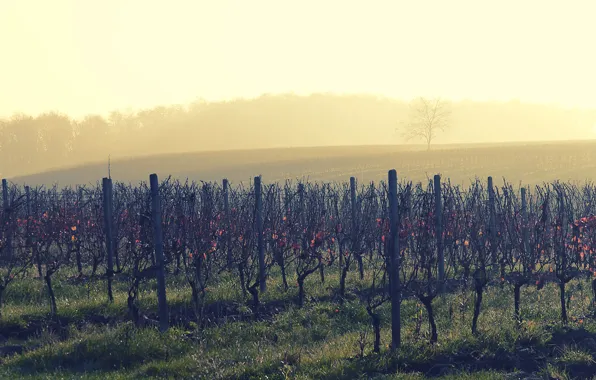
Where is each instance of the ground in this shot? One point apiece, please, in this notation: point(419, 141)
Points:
point(90, 338)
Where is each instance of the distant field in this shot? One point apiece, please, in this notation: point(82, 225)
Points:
point(528, 163)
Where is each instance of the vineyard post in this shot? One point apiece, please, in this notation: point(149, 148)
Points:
point(107, 221)
point(7, 217)
point(302, 214)
point(324, 210)
point(355, 249)
point(28, 242)
point(561, 270)
point(5, 194)
point(353, 209)
point(260, 245)
point(37, 255)
point(324, 197)
point(226, 200)
point(524, 212)
point(28, 201)
point(394, 262)
point(492, 225)
point(439, 229)
point(158, 243)
point(115, 257)
point(79, 218)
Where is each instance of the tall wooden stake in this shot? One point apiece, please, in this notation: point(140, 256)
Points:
point(260, 245)
point(439, 231)
point(394, 263)
point(228, 238)
point(107, 222)
point(158, 243)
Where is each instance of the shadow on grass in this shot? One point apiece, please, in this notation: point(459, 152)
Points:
point(524, 361)
point(525, 357)
point(182, 314)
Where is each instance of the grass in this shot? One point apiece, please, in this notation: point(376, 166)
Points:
point(90, 338)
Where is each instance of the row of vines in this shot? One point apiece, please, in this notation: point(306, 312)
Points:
point(447, 238)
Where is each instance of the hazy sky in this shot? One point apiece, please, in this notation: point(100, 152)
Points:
point(84, 56)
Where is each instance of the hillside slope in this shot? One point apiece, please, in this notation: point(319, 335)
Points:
point(527, 163)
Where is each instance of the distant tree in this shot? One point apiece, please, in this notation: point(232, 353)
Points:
point(56, 136)
point(126, 123)
point(20, 145)
point(427, 118)
point(92, 139)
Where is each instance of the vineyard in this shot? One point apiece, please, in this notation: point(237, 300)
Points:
point(399, 252)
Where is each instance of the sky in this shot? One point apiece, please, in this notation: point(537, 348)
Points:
point(81, 57)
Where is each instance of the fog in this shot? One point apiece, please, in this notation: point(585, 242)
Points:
point(85, 81)
point(51, 140)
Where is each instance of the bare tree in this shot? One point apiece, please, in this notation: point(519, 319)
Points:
point(428, 116)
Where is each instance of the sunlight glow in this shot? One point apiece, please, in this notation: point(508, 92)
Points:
point(84, 57)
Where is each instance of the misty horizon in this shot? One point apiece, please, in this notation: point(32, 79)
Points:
point(137, 79)
point(52, 140)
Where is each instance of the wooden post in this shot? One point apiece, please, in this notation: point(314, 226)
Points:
point(7, 218)
point(439, 231)
point(492, 225)
point(36, 209)
point(226, 199)
point(394, 263)
point(5, 198)
point(29, 242)
point(28, 201)
point(302, 211)
point(353, 210)
point(561, 264)
point(80, 218)
point(107, 222)
point(324, 213)
point(491, 199)
point(28, 213)
point(115, 256)
point(524, 212)
point(355, 246)
point(260, 245)
point(324, 199)
point(158, 244)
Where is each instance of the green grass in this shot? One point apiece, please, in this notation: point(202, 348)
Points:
point(90, 338)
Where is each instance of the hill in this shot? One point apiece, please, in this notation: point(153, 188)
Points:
point(528, 163)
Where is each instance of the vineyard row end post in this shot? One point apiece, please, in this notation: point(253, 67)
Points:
point(107, 220)
point(226, 201)
point(7, 217)
point(158, 243)
point(394, 262)
point(493, 225)
point(439, 232)
point(260, 244)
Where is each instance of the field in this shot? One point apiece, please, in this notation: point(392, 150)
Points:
point(90, 338)
point(293, 280)
point(530, 163)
